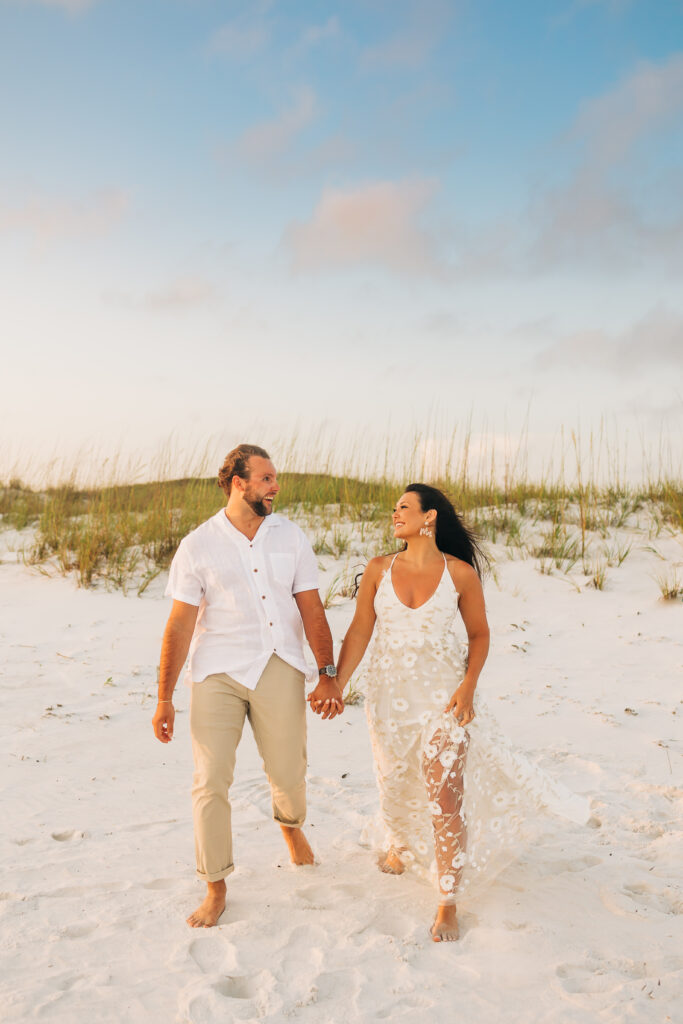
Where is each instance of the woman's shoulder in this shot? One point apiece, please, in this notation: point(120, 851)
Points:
point(462, 573)
point(379, 564)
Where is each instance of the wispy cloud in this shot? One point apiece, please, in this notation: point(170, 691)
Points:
point(655, 341)
point(263, 141)
point(246, 35)
point(315, 34)
point(50, 219)
point(378, 224)
point(641, 105)
point(615, 8)
point(180, 294)
point(410, 46)
point(601, 215)
point(70, 6)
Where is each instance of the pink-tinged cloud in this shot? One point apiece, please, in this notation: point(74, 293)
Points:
point(592, 219)
point(410, 46)
point(374, 225)
point(183, 293)
point(655, 341)
point(264, 141)
point(642, 104)
point(50, 219)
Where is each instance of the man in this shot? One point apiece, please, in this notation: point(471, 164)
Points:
point(243, 584)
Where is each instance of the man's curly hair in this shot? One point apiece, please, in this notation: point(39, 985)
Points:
point(236, 464)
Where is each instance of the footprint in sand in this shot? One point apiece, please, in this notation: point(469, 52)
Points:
point(573, 865)
point(229, 998)
point(587, 979)
point(597, 976)
point(160, 883)
point(214, 955)
point(63, 837)
point(78, 931)
point(237, 987)
point(405, 1003)
point(641, 897)
point(324, 897)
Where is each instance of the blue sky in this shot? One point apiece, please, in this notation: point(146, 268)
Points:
point(221, 219)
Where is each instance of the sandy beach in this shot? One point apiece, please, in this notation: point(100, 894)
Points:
point(97, 851)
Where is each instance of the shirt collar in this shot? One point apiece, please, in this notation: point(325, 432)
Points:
point(268, 522)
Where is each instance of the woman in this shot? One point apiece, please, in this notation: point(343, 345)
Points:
point(417, 679)
point(448, 805)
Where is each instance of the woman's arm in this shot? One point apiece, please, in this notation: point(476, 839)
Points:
point(359, 632)
point(473, 611)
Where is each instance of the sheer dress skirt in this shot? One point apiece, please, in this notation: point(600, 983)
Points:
point(420, 762)
point(456, 803)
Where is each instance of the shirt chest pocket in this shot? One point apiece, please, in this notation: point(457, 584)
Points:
point(282, 568)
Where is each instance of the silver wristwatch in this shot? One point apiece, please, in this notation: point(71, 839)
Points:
point(327, 670)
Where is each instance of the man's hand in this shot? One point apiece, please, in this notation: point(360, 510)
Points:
point(461, 704)
point(326, 699)
point(163, 720)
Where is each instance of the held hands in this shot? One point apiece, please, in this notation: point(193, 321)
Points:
point(326, 699)
point(460, 704)
point(163, 720)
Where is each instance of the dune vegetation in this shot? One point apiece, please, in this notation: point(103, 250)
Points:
point(123, 534)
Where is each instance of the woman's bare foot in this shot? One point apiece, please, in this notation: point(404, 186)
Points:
point(207, 913)
point(390, 863)
point(445, 927)
point(297, 844)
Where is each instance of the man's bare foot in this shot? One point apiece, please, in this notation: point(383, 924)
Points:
point(297, 844)
point(445, 927)
point(390, 863)
point(207, 913)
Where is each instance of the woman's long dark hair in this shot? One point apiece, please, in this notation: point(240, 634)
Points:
point(452, 535)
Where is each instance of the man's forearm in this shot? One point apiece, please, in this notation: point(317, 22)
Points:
point(174, 648)
point(319, 637)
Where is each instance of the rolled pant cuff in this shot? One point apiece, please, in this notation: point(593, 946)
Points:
point(298, 823)
point(215, 876)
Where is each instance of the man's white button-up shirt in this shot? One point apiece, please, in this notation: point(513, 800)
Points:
point(245, 593)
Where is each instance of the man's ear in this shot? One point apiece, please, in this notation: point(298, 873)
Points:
point(238, 484)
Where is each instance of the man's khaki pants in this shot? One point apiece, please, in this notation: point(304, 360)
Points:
point(276, 710)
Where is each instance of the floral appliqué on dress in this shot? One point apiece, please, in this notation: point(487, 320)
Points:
point(453, 800)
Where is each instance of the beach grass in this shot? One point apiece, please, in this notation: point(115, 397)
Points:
point(125, 533)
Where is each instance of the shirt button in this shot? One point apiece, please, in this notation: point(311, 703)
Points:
point(270, 623)
point(255, 570)
point(263, 596)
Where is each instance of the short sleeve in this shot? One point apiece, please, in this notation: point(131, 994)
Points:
point(183, 582)
point(306, 572)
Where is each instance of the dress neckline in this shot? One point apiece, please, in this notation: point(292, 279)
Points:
point(431, 596)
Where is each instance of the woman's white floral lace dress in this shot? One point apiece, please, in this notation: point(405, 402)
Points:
point(452, 799)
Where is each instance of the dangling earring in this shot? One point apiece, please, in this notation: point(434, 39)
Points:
point(425, 531)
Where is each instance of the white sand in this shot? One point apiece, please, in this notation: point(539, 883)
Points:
point(97, 851)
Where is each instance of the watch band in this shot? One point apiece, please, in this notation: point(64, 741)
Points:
point(328, 670)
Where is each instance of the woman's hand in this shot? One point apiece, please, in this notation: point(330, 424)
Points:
point(326, 700)
point(460, 704)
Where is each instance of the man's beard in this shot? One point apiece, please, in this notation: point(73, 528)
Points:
point(257, 506)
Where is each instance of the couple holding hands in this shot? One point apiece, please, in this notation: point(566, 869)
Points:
point(245, 592)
